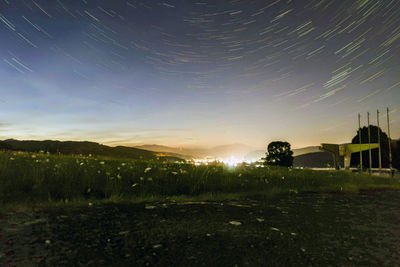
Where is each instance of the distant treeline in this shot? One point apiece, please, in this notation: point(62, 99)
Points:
point(396, 154)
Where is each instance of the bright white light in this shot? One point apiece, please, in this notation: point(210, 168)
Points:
point(230, 162)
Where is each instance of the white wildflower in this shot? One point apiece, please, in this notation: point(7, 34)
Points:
point(101, 162)
point(236, 223)
point(174, 173)
point(147, 170)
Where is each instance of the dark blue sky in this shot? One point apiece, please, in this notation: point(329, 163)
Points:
point(197, 72)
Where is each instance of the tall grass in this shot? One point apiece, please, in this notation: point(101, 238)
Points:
point(43, 177)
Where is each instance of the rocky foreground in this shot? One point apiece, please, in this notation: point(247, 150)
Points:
point(295, 229)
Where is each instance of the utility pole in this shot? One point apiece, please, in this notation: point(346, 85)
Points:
point(390, 142)
point(379, 140)
point(359, 139)
point(369, 144)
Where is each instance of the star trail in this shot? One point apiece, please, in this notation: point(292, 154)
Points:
point(197, 72)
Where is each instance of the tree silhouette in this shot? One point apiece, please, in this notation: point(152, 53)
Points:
point(279, 154)
point(355, 157)
point(396, 155)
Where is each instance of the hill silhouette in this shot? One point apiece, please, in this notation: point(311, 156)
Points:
point(259, 154)
point(182, 152)
point(82, 147)
point(314, 160)
point(305, 150)
point(222, 151)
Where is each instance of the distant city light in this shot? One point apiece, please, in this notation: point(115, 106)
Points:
point(230, 162)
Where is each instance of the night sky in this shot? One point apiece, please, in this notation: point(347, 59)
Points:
point(197, 72)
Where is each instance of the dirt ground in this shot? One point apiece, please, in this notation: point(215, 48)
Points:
point(295, 229)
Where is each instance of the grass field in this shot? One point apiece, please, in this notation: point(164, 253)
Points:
point(43, 178)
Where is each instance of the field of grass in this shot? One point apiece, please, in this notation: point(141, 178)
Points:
point(40, 177)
